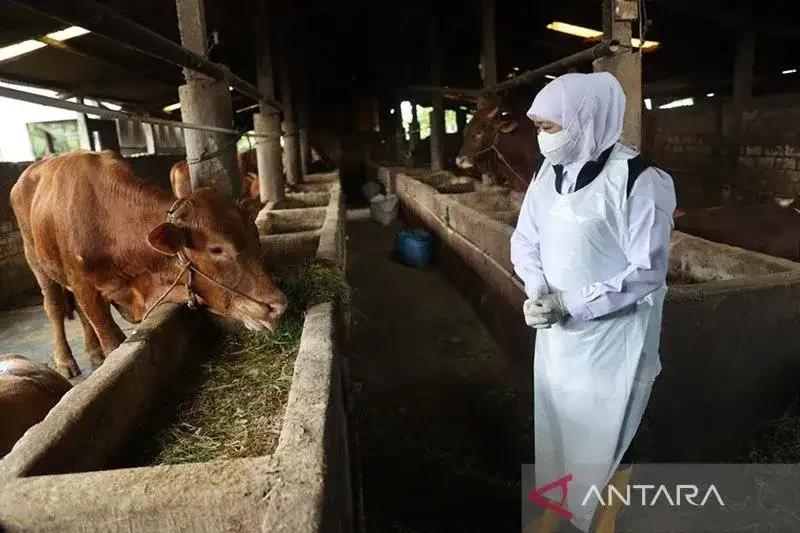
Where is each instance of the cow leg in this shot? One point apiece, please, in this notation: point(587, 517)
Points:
point(98, 313)
point(90, 341)
point(55, 307)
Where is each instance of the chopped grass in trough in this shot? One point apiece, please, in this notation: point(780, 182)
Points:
point(779, 440)
point(234, 408)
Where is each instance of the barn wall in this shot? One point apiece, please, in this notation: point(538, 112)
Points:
point(688, 142)
point(16, 279)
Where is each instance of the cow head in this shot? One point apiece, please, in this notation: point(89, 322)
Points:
point(481, 134)
point(219, 238)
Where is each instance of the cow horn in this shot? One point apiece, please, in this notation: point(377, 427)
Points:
point(491, 114)
point(175, 209)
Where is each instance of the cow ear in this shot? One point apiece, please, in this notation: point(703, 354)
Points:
point(508, 127)
point(167, 238)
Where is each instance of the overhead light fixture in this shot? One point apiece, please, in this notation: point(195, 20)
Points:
point(648, 104)
point(710, 95)
point(684, 102)
point(68, 33)
point(516, 69)
point(391, 111)
point(588, 33)
point(172, 107)
point(549, 76)
point(25, 47)
point(789, 71)
point(230, 87)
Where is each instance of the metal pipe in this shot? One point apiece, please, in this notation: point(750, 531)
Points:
point(119, 29)
point(109, 113)
point(599, 50)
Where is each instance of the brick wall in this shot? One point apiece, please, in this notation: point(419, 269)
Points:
point(16, 279)
point(15, 276)
point(690, 143)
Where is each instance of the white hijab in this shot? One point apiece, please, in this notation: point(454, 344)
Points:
point(591, 107)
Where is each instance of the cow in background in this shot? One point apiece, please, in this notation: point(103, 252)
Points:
point(181, 183)
point(498, 143)
point(129, 244)
point(28, 390)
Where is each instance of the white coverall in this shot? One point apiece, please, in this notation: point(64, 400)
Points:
point(584, 230)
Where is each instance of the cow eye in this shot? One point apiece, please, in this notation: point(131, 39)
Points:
point(216, 250)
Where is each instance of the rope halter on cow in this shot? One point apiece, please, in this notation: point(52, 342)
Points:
point(186, 266)
point(500, 156)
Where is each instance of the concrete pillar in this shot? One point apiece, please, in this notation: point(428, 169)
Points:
point(268, 121)
point(206, 101)
point(437, 113)
point(303, 126)
point(414, 126)
point(268, 150)
point(291, 140)
point(399, 131)
point(618, 19)
point(742, 92)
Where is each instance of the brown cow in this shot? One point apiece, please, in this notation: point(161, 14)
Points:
point(89, 225)
point(769, 229)
point(181, 183)
point(28, 391)
point(499, 144)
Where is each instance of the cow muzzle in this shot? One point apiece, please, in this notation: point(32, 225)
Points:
point(258, 316)
point(464, 162)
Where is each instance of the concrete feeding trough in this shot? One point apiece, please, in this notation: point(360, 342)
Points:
point(446, 183)
point(728, 344)
point(498, 203)
point(303, 486)
point(290, 231)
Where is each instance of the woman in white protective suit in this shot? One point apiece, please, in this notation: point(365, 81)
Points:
point(591, 246)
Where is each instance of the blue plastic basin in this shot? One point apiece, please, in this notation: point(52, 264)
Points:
point(414, 247)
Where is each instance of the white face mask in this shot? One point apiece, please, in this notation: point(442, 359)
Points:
point(557, 147)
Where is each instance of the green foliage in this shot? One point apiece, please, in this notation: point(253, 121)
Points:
point(64, 133)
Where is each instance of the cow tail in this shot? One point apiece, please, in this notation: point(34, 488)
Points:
point(69, 300)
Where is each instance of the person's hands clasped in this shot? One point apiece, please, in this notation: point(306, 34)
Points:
point(544, 309)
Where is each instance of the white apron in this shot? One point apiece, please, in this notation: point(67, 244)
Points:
point(591, 380)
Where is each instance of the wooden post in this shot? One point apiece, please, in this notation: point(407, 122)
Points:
point(437, 113)
point(618, 19)
point(488, 62)
point(268, 121)
point(291, 140)
point(742, 92)
point(206, 101)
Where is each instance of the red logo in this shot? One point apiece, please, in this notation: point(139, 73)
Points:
point(536, 496)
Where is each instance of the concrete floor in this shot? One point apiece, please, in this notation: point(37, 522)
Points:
point(26, 331)
point(441, 431)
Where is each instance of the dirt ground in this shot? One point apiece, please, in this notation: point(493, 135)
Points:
point(442, 433)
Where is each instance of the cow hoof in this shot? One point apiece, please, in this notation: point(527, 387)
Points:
point(70, 370)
